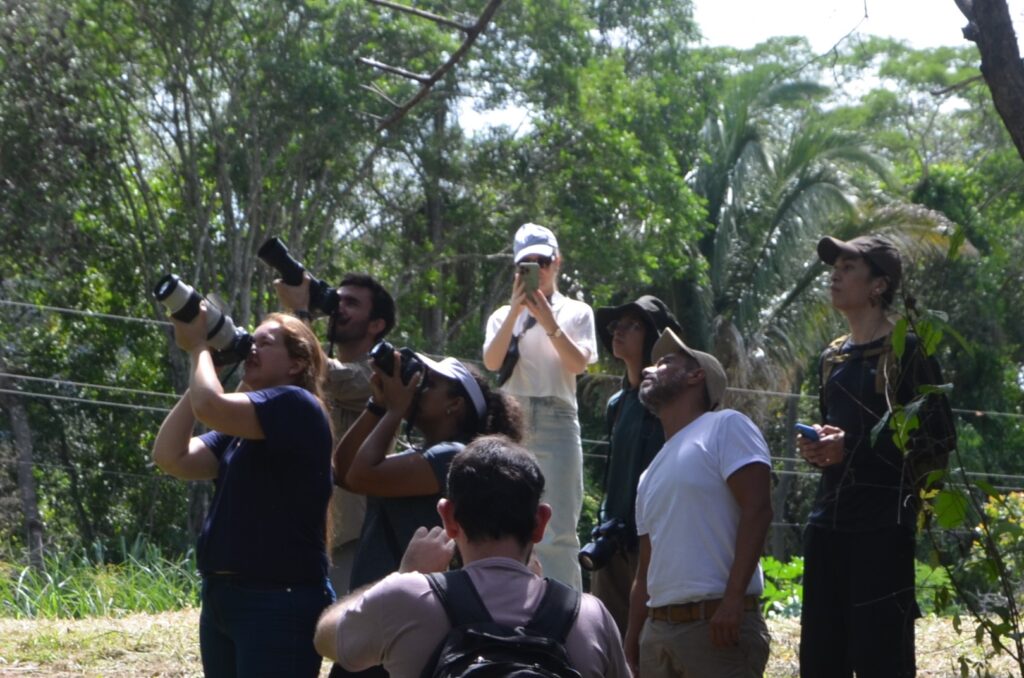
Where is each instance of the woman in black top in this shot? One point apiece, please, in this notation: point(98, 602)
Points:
point(859, 606)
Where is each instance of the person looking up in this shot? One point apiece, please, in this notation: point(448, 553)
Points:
point(635, 435)
point(261, 551)
point(703, 509)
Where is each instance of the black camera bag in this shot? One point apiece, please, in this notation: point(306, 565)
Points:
point(512, 354)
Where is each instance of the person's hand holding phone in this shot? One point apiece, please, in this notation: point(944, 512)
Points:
point(529, 272)
point(518, 294)
point(827, 450)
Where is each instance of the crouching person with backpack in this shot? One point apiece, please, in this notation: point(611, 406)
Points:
point(494, 616)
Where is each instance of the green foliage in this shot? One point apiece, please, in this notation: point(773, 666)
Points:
point(783, 587)
point(85, 583)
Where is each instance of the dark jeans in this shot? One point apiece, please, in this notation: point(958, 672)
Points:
point(859, 606)
point(250, 629)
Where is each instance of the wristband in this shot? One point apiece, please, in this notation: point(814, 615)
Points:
point(557, 333)
point(375, 408)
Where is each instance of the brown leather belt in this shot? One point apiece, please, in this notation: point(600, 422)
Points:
point(690, 612)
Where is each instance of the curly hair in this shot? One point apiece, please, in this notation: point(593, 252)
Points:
point(503, 415)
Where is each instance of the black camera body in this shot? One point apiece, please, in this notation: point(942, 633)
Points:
point(322, 297)
point(383, 356)
point(230, 344)
point(607, 538)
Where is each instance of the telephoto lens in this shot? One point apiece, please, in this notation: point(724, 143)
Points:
point(275, 254)
point(322, 297)
point(180, 299)
point(237, 350)
point(229, 343)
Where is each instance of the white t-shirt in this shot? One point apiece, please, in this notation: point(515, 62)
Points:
point(539, 372)
point(684, 504)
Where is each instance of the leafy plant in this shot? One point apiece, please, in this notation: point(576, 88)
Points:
point(783, 587)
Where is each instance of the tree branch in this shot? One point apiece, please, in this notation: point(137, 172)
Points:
point(419, 77)
point(472, 33)
point(437, 19)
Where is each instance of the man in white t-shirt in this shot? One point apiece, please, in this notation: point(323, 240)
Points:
point(493, 513)
point(703, 510)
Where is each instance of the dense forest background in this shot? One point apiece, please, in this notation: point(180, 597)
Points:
point(140, 138)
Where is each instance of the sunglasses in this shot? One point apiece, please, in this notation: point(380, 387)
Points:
point(543, 262)
point(625, 326)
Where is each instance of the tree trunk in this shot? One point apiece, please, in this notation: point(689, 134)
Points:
point(26, 480)
point(991, 29)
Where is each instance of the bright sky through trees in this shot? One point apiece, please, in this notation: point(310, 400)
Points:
point(922, 23)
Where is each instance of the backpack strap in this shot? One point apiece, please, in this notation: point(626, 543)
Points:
point(557, 611)
point(460, 599)
point(830, 356)
point(885, 374)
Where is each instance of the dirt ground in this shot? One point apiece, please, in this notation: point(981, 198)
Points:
point(167, 645)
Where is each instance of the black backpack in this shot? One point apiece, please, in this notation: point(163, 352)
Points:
point(478, 646)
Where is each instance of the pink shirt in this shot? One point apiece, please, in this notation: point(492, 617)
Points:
point(399, 622)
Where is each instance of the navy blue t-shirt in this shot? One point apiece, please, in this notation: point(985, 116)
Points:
point(391, 521)
point(268, 517)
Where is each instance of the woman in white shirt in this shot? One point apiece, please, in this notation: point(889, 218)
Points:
point(556, 340)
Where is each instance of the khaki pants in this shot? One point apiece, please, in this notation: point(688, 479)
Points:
point(670, 650)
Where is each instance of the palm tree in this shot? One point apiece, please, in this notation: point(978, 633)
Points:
point(777, 174)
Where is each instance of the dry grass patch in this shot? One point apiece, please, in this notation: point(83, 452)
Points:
point(167, 645)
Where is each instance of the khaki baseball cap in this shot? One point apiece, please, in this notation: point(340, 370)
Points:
point(714, 375)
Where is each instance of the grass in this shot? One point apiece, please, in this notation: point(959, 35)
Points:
point(85, 583)
point(167, 645)
point(84, 616)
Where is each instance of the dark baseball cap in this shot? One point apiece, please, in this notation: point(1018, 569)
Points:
point(875, 248)
point(652, 310)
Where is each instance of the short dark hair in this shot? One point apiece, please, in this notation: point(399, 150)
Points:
point(382, 305)
point(495, 486)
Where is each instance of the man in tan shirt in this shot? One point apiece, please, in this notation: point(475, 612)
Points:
point(494, 515)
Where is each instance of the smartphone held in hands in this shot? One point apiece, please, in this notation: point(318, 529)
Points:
point(808, 432)
point(529, 273)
